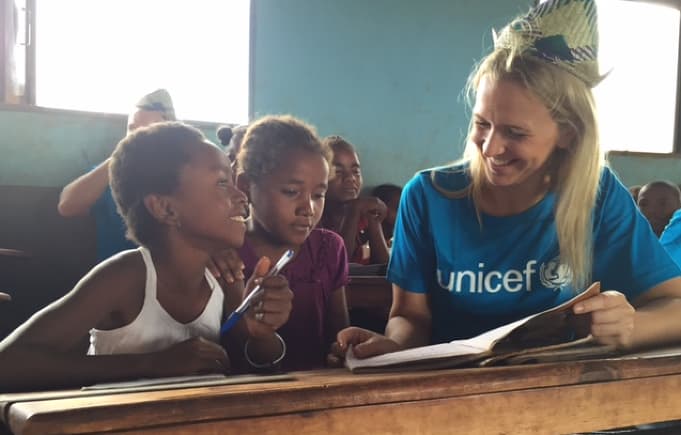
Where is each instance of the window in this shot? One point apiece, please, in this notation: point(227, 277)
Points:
point(103, 55)
point(639, 45)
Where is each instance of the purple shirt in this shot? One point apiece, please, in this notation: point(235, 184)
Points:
point(320, 267)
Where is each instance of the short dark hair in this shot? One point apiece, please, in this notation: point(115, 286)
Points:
point(337, 143)
point(664, 184)
point(386, 191)
point(269, 139)
point(149, 161)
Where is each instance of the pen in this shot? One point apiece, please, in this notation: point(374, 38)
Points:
point(246, 303)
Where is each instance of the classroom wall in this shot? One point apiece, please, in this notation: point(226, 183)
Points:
point(386, 74)
point(49, 148)
point(639, 169)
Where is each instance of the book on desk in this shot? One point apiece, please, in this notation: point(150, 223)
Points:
point(556, 334)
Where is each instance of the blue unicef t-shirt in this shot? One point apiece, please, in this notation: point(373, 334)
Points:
point(671, 237)
point(110, 227)
point(483, 274)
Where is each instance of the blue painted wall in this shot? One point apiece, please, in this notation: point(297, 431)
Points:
point(387, 74)
point(639, 169)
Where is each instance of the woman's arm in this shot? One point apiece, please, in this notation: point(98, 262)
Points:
point(408, 326)
point(653, 319)
point(410, 319)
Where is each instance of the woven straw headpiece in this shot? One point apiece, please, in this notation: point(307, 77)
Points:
point(562, 32)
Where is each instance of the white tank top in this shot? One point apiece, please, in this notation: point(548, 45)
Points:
point(154, 329)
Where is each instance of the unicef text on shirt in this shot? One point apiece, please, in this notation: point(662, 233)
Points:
point(552, 273)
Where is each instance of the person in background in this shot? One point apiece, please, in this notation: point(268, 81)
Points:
point(531, 215)
point(356, 218)
point(390, 194)
point(231, 138)
point(155, 311)
point(284, 169)
point(90, 193)
point(658, 200)
point(634, 190)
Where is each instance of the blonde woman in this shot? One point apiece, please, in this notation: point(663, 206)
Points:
point(531, 215)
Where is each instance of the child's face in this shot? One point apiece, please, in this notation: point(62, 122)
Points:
point(347, 176)
point(289, 201)
point(658, 203)
point(210, 208)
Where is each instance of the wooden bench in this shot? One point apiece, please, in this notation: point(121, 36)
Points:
point(58, 251)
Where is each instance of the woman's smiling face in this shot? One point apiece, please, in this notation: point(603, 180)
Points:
point(514, 133)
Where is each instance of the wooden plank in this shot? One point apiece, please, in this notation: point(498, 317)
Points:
point(318, 393)
point(549, 410)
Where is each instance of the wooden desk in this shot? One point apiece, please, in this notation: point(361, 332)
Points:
point(547, 398)
point(369, 292)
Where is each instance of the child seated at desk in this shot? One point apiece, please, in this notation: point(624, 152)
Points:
point(657, 201)
point(356, 218)
point(390, 194)
point(284, 168)
point(153, 311)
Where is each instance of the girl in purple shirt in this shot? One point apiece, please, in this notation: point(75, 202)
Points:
point(284, 169)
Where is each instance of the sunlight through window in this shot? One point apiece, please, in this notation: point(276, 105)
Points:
point(637, 101)
point(103, 55)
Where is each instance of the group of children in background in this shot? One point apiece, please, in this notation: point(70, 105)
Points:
point(191, 207)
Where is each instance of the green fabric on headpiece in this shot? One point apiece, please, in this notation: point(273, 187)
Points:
point(158, 101)
point(562, 32)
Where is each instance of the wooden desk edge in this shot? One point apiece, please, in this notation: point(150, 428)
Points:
point(320, 391)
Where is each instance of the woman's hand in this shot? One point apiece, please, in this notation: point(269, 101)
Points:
point(612, 318)
point(364, 343)
point(272, 308)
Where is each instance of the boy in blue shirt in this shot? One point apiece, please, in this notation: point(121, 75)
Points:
point(91, 192)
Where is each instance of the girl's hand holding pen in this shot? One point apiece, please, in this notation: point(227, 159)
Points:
point(272, 308)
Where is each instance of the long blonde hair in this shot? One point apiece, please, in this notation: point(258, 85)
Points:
point(574, 172)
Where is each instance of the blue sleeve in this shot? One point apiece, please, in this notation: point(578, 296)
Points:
point(102, 206)
point(628, 257)
point(671, 237)
point(412, 261)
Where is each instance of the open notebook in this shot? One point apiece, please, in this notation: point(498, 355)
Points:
point(552, 335)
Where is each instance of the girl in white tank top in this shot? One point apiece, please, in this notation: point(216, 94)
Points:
point(176, 193)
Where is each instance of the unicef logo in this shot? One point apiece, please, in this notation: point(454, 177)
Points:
point(554, 274)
